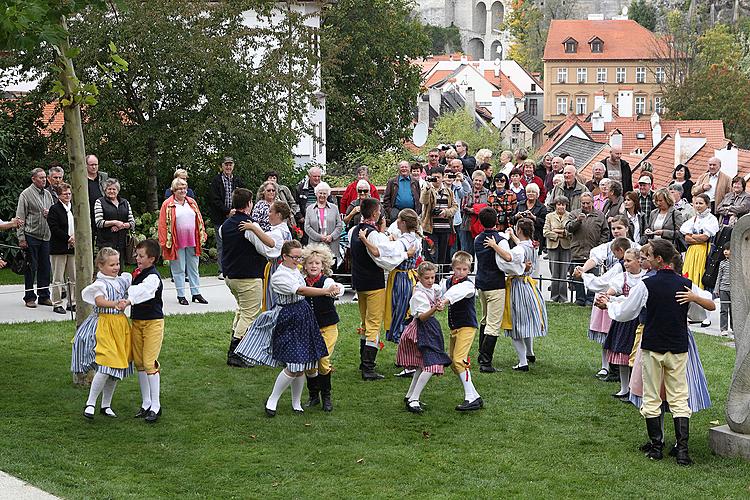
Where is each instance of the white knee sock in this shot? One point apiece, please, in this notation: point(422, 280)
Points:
point(282, 382)
point(97, 386)
point(145, 390)
point(422, 380)
point(298, 384)
point(624, 379)
point(413, 384)
point(154, 383)
point(470, 392)
point(605, 363)
point(520, 347)
point(108, 392)
point(529, 343)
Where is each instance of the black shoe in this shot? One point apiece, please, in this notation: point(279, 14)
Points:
point(656, 437)
point(233, 359)
point(613, 375)
point(531, 358)
point(183, 301)
point(369, 354)
point(152, 416)
point(110, 414)
point(313, 386)
point(406, 373)
point(488, 369)
point(269, 412)
point(71, 308)
point(44, 302)
point(621, 396)
point(581, 303)
point(673, 451)
point(486, 352)
point(477, 404)
point(59, 310)
point(519, 368)
point(298, 412)
point(199, 298)
point(681, 432)
point(414, 408)
point(142, 412)
point(325, 391)
point(89, 416)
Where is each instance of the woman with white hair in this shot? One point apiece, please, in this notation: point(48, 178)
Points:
point(532, 209)
point(114, 219)
point(323, 222)
point(352, 216)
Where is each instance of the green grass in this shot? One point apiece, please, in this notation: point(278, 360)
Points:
point(8, 277)
point(553, 432)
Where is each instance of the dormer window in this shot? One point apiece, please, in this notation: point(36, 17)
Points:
point(571, 46)
point(597, 45)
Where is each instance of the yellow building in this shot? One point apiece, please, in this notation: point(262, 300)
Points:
point(588, 63)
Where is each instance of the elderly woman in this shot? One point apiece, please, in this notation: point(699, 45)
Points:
point(351, 191)
point(181, 234)
point(558, 247)
point(113, 219)
point(680, 203)
point(352, 216)
point(484, 155)
point(664, 221)
point(180, 173)
point(698, 231)
point(323, 222)
point(735, 203)
point(268, 191)
point(600, 199)
point(469, 211)
point(532, 209)
point(544, 167)
point(681, 177)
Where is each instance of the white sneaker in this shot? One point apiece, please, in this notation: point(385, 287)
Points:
point(725, 333)
point(221, 276)
point(706, 323)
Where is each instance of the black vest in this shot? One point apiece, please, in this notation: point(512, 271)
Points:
point(464, 312)
point(489, 276)
point(665, 329)
point(153, 308)
point(323, 306)
point(366, 274)
point(239, 258)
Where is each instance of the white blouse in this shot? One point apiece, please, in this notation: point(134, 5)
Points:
point(279, 233)
point(419, 301)
point(389, 248)
point(381, 240)
point(597, 284)
point(703, 223)
point(517, 265)
point(618, 281)
point(99, 287)
point(145, 290)
point(603, 255)
point(286, 281)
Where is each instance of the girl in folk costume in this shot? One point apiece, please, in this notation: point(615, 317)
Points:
point(621, 336)
point(268, 243)
point(103, 339)
point(698, 231)
point(288, 335)
point(317, 264)
point(422, 347)
point(606, 255)
point(525, 314)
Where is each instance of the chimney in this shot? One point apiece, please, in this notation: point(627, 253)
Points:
point(471, 100)
point(615, 140)
point(607, 112)
point(655, 129)
point(677, 148)
point(597, 122)
point(423, 110)
point(435, 98)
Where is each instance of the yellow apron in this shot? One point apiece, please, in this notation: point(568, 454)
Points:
point(507, 323)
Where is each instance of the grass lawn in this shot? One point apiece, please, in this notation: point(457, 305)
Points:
point(553, 432)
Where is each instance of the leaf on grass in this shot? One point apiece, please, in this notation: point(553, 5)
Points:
point(308, 424)
point(425, 434)
point(361, 461)
point(714, 422)
point(252, 436)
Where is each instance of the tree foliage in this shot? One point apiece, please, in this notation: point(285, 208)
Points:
point(644, 13)
point(460, 125)
point(445, 40)
point(719, 45)
point(368, 78)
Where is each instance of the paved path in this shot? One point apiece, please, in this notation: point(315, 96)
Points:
point(15, 489)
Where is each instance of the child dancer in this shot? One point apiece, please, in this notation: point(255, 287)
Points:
point(421, 346)
point(288, 335)
point(103, 339)
point(458, 293)
point(147, 328)
point(525, 315)
point(317, 264)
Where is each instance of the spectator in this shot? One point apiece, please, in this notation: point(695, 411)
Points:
point(680, 204)
point(645, 195)
point(350, 193)
point(54, 179)
point(529, 178)
point(470, 207)
point(664, 221)
point(602, 194)
point(556, 163)
point(534, 210)
point(681, 177)
point(735, 203)
point(515, 185)
point(587, 229)
point(558, 248)
point(180, 173)
point(557, 180)
point(267, 194)
point(433, 160)
point(455, 180)
point(468, 161)
point(62, 247)
point(181, 237)
point(636, 219)
point(506, 162)
point(353, 217)
point(401, 192)
point(97, 184)
point(482, 156)
point(597, 174)
point(571, 188)
point(323, 222)
point(723, 292)
point(306, 192)
point(698, 232)
point(33, 237)
point(220, 202)
point(14, 223)
point(283, 193)
point(438, 208)
point(618, 169)
point(114, 219)
point(714, 183)
point(544, 167)
point(521, 155)
point(613, 205)
point(486, 169)
point(503, 200)
point(417, 173)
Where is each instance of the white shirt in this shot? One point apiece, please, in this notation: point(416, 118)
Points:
point(69, 212)
point(630, 308)
point(457, 292)
point(286, 281)
point(419, 301)
point(146, 289)
point(602, 254)
point(99, 288)
point(517, 264)
point(597, 284)
point(278, 233)
point(618, 281)
point(402, 243)
point(381, 240)
point(703, 223)
point(712, 180)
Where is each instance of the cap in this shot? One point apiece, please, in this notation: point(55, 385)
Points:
point(228, 159)
point(644, 180)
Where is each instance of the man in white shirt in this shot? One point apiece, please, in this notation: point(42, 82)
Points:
point(714, 183)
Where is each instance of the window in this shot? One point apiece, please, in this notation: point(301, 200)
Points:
point(581, 108)
point(562, 105)
point(515, 128)
point(533, 87)
point(562, 75)
point(640, 105)
point(640, 74)
point(581, 74)
point(533, 110)
point(621, 75)
point(571, 46)
point(658, 106)
point(659, 74)
point(597, 46)
point(601, 75)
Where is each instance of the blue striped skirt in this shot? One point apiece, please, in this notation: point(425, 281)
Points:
point(83, 356)
point(529, 314)
point(402, 289)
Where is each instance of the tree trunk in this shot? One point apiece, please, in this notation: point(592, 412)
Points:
point(79, 180)
point(152, 194)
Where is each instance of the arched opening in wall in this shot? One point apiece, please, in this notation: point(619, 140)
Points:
point(476, 48)
point(496, 50)
point(498, 12)
point(479, 22)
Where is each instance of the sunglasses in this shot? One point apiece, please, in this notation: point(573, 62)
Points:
point(297, 258)
point(363, 190)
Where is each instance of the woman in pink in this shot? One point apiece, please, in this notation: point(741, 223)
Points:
point(181, 234)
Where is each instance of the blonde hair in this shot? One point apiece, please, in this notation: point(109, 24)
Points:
point(451, 154)
point(177, 182)
point(484, 155)
point(461, 257)
point(104, 254)
point(426, 267)
point(180, 172)
point(633, 253)
point(320, 251)
point(411, 220)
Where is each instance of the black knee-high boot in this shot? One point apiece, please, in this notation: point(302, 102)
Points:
point(325, 391)
point(369, 354)
point(656, 438)
point(486, 353)
point(361, 351)
point(681, 432)
point(234, 359)
point(313, 387)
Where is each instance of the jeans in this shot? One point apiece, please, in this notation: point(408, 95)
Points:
point(39, 269)
point(219, 247)
point(186, 261)
point(726, 318)
point(467, 242)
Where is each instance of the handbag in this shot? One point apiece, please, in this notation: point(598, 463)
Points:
point(679, 238)
point(19, 262)
point(130, 243)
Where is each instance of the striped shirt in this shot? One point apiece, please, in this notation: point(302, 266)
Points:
point(722, 278)
point(441, 203)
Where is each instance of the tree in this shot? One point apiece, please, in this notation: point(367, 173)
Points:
point(460, 125)
point(445, 40)
point(368, 78)
point(644, 13)
point(719, 45)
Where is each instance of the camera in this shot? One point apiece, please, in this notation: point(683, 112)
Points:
point(431, 178)
point(436, 212)
point(444, 147)
point(451, 176)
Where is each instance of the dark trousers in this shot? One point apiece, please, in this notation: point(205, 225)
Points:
point(577, 284)
point(39, 269)
point(726, 319)
point(440, 240)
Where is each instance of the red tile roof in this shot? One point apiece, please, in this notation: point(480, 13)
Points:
point(503, 83)
point(52, 117)
point(436, 77)
point(623, 40)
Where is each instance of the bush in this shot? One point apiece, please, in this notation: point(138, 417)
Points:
point(460, 126)
point(382, 166)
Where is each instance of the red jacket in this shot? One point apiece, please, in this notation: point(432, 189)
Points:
point(350, 194)
point(539, 182)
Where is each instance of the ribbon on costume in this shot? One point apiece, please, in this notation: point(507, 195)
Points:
point(266, 284)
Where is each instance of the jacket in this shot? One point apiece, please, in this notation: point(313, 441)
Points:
point(57, 219)
point(555, 221)
point(333, 222)
point(427, 199)
point(350, 194)
point(539, 210)
point(575, 198)
point(284, 194)
point(31, 205)
point(723, 186)
point(391, 193)
point(217, 210)
point(627, 174)
point(467, 208)
point(586, 234)
point(672, 222)
point(168, 228)
point(732, 205)
point(305, 193)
